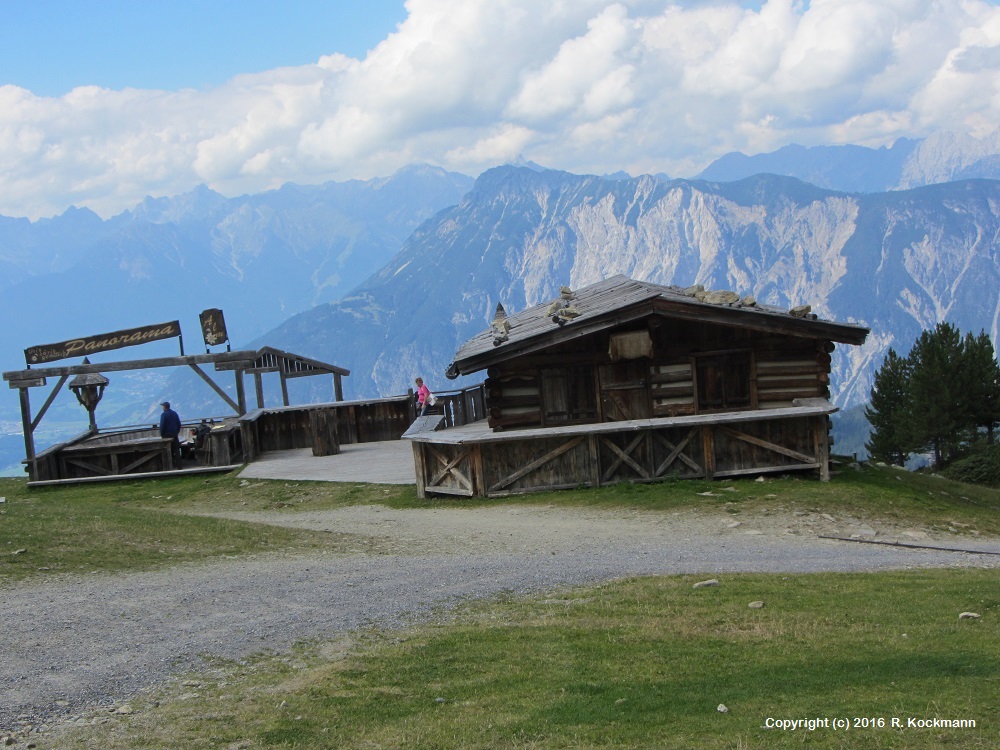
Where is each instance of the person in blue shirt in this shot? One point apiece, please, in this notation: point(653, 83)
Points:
point(170, 427)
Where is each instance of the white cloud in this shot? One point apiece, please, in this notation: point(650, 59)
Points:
point(583, 85)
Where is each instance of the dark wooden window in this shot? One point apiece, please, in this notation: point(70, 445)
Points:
point(724, 381)
point(569, 395)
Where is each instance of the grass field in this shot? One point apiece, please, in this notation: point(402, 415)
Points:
point(631, 664)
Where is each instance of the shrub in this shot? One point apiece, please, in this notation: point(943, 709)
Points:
point(982, 467)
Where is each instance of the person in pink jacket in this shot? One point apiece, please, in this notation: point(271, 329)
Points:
point(423, 397)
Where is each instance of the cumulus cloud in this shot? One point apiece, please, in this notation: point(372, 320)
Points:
point(582, 85)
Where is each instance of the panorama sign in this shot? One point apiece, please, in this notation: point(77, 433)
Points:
point(101, 343)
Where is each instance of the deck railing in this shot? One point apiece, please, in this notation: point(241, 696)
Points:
point(462, 406)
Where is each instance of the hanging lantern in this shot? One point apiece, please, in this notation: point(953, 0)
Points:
point(89, 389)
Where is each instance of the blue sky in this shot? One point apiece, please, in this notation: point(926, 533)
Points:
point(105, 103)
point(52, 46)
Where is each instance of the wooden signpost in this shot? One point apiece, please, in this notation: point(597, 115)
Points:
point(87, 345)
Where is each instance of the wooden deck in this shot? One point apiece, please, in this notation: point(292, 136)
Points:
point(387, 462)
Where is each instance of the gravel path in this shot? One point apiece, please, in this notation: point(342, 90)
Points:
point(71, 644)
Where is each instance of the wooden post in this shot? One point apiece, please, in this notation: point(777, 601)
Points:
point(338, 388)
point(29, 434)
point(478, 469)
point(324, 432)
point(418, 469)
point(241, 396)
point(708, 443)
point(822, 449)
point(258, 384)
point(595, 460)
point(284, 390)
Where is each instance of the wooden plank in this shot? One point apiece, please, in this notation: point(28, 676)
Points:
point(26, 383)
point(769, 394)
point(139, 462)
point(675, 391)
point(751, 471)
point(681, 376)
point(86, 465)
point(537, 463)
point(539, 488)
point(763, 371)
point(512, 402)
point(450, 491)
point(133, 477)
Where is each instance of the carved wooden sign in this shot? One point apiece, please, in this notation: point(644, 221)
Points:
point(101, 343)
point(213, 327)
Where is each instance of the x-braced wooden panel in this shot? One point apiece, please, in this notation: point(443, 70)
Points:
point(676, 453)
point(535, 465)
point(447, 476)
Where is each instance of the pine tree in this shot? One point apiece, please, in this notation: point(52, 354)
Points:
point(938, 414)
point(889, 402)
point(982, 387)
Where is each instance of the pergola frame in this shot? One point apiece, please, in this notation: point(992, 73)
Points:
point(240, 363)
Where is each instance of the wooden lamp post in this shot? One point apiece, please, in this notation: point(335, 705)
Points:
point(89, 388)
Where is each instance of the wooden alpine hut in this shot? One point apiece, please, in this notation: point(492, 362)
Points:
point(626, 380)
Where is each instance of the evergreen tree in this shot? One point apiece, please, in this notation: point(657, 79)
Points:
point(885, 413)
point(982, 388)
point(938, 415)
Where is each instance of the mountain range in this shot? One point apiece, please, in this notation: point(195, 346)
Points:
point(897, 262)
point(908, 163)
point(388, 277)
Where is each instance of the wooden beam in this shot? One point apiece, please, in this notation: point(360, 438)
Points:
point(48, 402)
point(537, 463)
point(137, 364)
point(768, 445)
point(222, 394)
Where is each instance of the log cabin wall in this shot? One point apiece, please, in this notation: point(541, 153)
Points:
point(692, 368)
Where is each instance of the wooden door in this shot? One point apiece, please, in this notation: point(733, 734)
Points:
point(625, 391)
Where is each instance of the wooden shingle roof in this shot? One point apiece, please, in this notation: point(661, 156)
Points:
point(620, 299)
